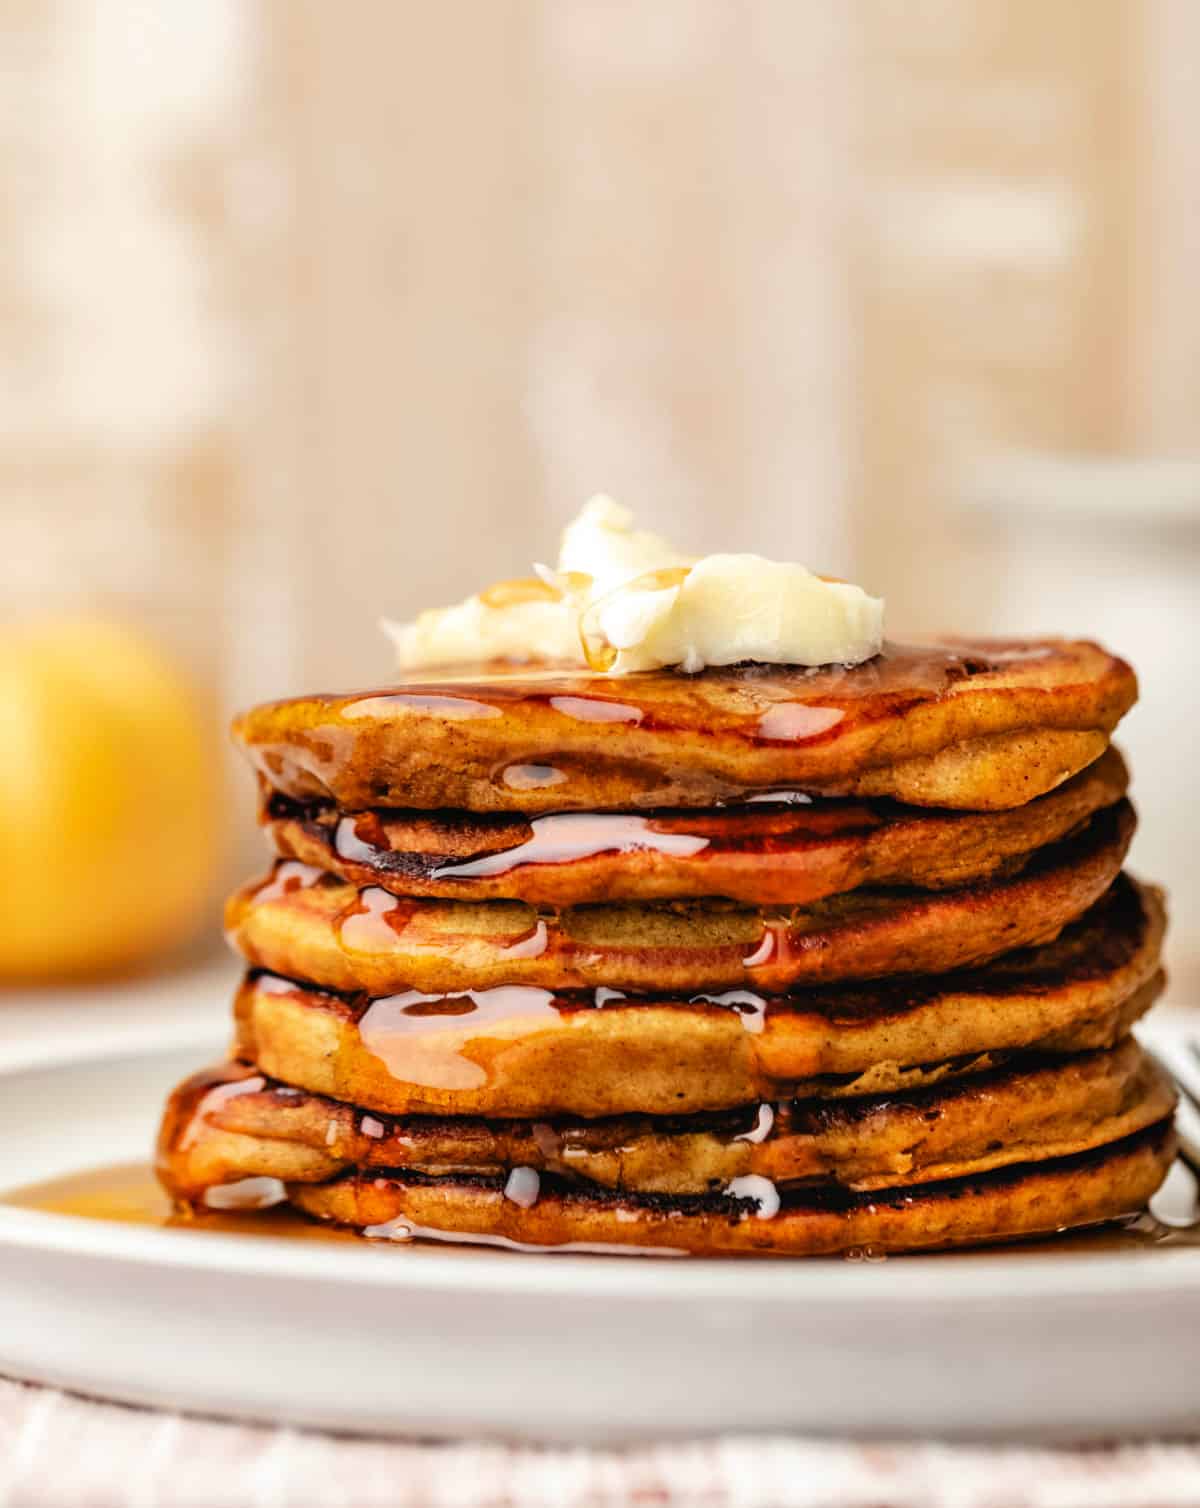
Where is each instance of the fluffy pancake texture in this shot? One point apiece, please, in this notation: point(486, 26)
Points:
point(1028, 1199)
point(230, 1123)
point(530, 1052)
point(980, 724)
point(306, 924)
point(761, 854)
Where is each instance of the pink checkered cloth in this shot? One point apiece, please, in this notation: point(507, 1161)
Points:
point(59, 1451)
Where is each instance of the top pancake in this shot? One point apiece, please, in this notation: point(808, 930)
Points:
point(980, 724)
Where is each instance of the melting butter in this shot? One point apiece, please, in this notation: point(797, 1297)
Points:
point(624, 599)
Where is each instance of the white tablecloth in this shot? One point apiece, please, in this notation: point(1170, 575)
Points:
point(59, 1451)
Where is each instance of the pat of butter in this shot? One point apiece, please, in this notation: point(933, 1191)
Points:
point(603, 544)
point(624, 599)
point(728, 608)
point(542, 625)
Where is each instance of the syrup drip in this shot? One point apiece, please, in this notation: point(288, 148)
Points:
point(761, 1190)
point(372, 921)
point(405, 1231)
point(245, 1194)
point(531, 777)
point(523, 1187)
point(287, 878)
point(532, 945)
point(796, 722)
point(453, 707)
point(578, 835)
point(276, 984)
point(775, 946)
point(350, 844)
point(764, 1123)
point(763, 953)
point(750, 1007)
point(409, 1032)
point(214, 1099)
point(590, 709)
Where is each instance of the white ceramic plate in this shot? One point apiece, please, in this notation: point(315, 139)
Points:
point(1029, 1342)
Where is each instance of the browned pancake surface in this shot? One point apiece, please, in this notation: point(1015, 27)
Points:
point(521, 1051)
point(760, 854)
point(231, 1123)
point(308, 925)
point(1028, 1199)
point(982, 724)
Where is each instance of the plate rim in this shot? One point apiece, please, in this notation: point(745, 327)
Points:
point(991, 1277)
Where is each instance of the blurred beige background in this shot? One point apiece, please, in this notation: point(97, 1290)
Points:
point(313, 312)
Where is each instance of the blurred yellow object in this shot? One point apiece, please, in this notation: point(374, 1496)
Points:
point(108, 802)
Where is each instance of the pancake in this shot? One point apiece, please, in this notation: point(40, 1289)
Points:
point(1027, 1199)
point(524, 1051)
point(984, 724)
point(763, 854)
point(230, 1123)
point(310, 925)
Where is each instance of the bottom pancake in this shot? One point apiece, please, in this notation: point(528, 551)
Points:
point(548, 1212)
point(230, 1124)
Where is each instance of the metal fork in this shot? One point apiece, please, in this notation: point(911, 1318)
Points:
point(1180, 1056)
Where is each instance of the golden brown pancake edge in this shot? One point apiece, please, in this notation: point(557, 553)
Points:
point(983, 724)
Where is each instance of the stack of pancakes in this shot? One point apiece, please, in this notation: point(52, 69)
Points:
point(755, 960)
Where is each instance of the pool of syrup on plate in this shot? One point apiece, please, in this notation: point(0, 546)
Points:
point(129, 1194)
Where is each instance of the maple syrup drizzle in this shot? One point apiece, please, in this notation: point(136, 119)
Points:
point(213, 1099)
point(413, 1034)
point(566, 836)
point(350, 844)
point(444, 705)
point(532, 777)
point(562, 838)
point(761, 1191)
point(591, 709)
point(286, 879)
point(372, 921)
point(796, 722)
point(764, 1124)
point(403, 1230)
point(750, 1008)
point(130, 1194)
point(776, 946)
